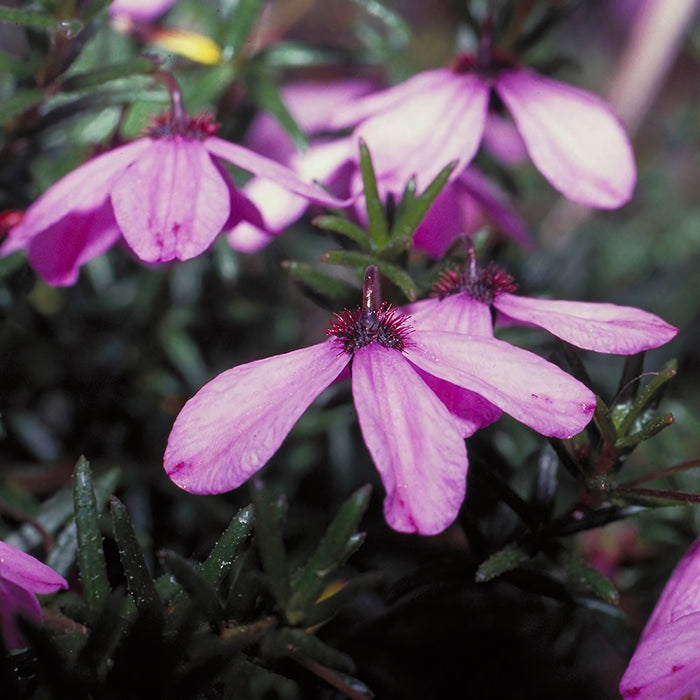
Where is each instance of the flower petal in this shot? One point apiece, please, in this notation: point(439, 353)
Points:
point(414, 442)
point(666, 664)
point(172, 202)
point(236, 422)
point(681, 594)
point(621, 330)
point(532, 390)
point(441, 224)
point(265, 167)
point(493, 205)
point(28, 572)
point(81, 192)
point(57, 252)
point(428, 129)
point(573, 137)
point(458, 313)
point(14, 601)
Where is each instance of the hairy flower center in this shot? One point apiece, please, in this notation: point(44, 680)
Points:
point(165, 126)
point(357, 328)
point(484, 286)
point(487, 64)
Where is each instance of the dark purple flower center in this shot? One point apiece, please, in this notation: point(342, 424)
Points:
point(165, 126)
point(484, 285)
point(354, 329)
point(487, 64)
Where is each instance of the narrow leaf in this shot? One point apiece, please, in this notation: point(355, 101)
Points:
point(337, 544)
point(37, 20)
point(377, 225)
point(97, 78)
point(585, 577)
point(241, 24)
point(19, 103)
point(227, 548)
point(319, 283)
point(667, 373)
point(326, 607)
point(198, 589)
point(268, 537)
point(648, 431)
point(300, 640)
point(506, 559)
point(139, 579)
point(411, 213)
point(91, 561)
point(337, 224)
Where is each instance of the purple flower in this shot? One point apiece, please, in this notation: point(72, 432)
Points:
point(167, 195)
point(462, 304)
point(609, 328)
point(467, 202)
point(666, 663)
point(21, 578)
point(139, 10)
point(236, 422)
point(437, 116)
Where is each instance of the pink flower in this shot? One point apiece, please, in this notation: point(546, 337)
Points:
point(437, 116)
point(666, 663)
point(609, 328)
point(167, 195)
point(236, 422)
point(467, 203)
point(139, 10)
point(21, 578)
point(463, 305)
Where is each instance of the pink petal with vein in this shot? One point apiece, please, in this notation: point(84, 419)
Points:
point(141, 10)
point(28, 572)
point(414, 442)
point(236, 422)
point(58, 251)
point(172, 202)
point(428, 130)
point(621, 330)
point(355, 111)
point(80, 193)
point(265, 167)
point(573, 137)
point(681, 594)
point(666, 665)
point(458, 313)
point(532, 390)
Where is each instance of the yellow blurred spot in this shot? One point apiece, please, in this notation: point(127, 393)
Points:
point(331, 589)
point(196, 47)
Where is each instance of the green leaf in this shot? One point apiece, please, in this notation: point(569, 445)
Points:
point(241, 24)
point(219, 561)
point(294, 640)
point(91, 563)
point(268, 537)
point(97, 78)
point(648, 431)
point(336, 546)
point(411, 213)
point(376, 218)
point(359, 261)
point(337, 224)
point(585, 577)
point(669, 370)
point(398, 29)
point(506, 559)
point(319, 283)
point(37, 20)
point(197, 588)
point(57, 510)
point(138, 578)
point(266, 95)
point(604, 421)
point(19, 103)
